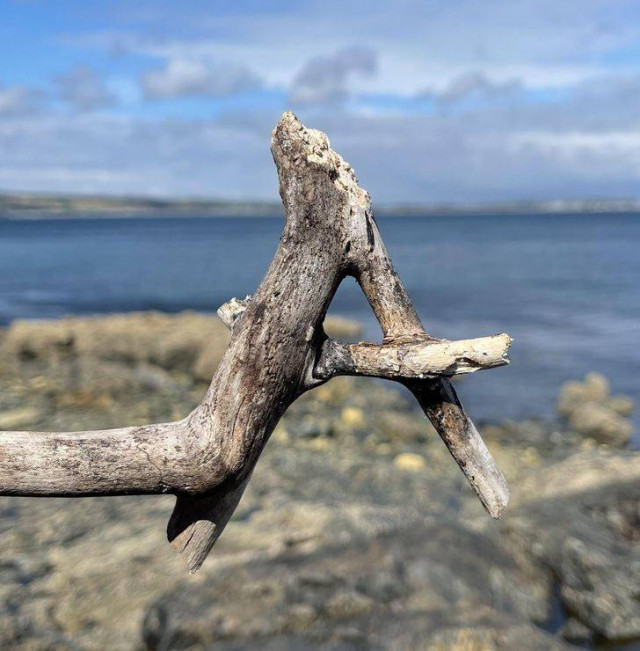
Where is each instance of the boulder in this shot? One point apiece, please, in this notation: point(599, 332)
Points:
point(169, 341)
point(356, 531)
point(600, 422)
point(188, 342)
point(591, 411)
point(410, 582)
point(579, 518)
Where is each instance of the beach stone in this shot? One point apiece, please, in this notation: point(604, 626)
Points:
point(313, 428)
point(491, 634)
point(579, 518)
point(355, 531)
point(601, 423)
point(595, 388)
point(353, 417)
point(622, 405)
point(410, 462)
point(341, 328)
point(348, 604)
point(16, 418)
point(576, 632)
point(592, 412)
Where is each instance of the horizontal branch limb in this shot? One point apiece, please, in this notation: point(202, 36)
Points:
point(415, 357)
point(125, 461)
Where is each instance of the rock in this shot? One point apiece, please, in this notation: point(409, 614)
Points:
point(601, 588)
point(208, 358)
point(312, 428)
point(300, 617)
point(169, 341)
point(403, 426)
point(601, 423)
point(18, 418)
point(155, 627)
point(338, 327)
point(592, 412)
point(579, 518)
point(622, 405)
point(353, 417)
point(409, 462)
point(355, 531)
point(394, 586)
point(188, 342)
point(483, 631)
point(595, 388)
point(576, 632)
point(545, 438)
point(348, 604)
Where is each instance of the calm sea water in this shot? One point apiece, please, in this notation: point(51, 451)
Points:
point(567, 288)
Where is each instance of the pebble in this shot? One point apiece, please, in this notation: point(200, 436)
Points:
point(410, 462)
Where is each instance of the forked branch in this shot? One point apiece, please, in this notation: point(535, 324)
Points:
point(278, 350)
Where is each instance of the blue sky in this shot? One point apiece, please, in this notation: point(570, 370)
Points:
point(430, 101)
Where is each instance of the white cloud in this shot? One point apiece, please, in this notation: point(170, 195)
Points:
point(577, 141)
point(398, 158)
point(203, 77)
point(569, 128)
point(83, 89)
point(419, 43)
point(474, 85)
point(325, 80)
point(19, 100)
point(98, 153)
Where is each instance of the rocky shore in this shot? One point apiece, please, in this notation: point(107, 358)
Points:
point(357, 531)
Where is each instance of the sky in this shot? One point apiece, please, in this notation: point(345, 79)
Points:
point(430, 101)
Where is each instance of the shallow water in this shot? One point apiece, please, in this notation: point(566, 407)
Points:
point(566, 287)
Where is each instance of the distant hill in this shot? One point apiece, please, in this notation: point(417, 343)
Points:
point(16, 205)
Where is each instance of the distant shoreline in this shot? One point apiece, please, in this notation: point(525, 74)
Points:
point(35, 206)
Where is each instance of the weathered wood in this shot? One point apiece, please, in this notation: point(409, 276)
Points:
point(125, 461)
point(197, 522)
point(401, 358)
point(232, 310)
point(275, 354)
point(416, 357)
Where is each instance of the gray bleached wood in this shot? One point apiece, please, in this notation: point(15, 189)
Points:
point(278, 350)
point(413, 357)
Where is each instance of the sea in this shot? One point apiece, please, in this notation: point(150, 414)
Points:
point(565, 287)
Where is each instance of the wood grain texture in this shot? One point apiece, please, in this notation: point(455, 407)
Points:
point(278, 350)
point(415, 357)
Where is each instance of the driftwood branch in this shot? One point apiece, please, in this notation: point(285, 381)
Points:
point(278, 350)
point(403, 358)
point(414, 358)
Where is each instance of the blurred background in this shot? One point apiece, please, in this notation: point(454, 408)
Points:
point(500, 144)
